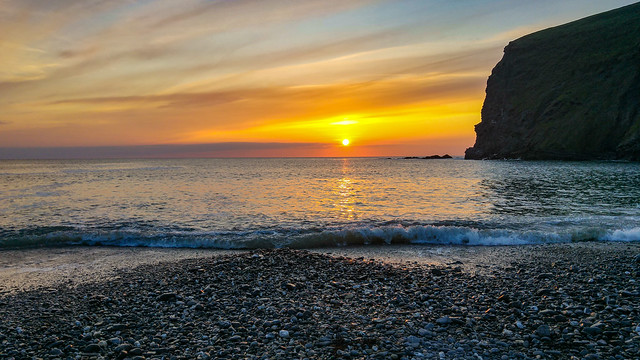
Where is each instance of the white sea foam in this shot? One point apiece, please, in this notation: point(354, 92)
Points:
point(623, 235)
point(313, 238)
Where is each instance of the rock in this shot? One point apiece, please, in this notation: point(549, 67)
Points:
point(91, 348)
point(437, 272)
point(55, 352)
point(637, 259)
point(547, 313)
point(123, 347)
point(290, 286)
point(519, 325)
point(413, 340)
point(541, 103)
point(171, 296)
point(116, 327)
point(430, 157)
point(224, 324)
point(136, 351)
point(592, 330)
point(445, 320)
point(625, 293)
point(543, 331)
point(284, 334)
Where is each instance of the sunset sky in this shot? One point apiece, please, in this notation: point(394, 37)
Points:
point(126, 78)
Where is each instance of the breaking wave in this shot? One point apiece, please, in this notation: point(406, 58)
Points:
point(304, 238)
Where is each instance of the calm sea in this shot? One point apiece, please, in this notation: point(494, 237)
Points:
point(250, 203)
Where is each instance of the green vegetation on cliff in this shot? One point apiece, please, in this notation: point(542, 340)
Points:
point(568, 92)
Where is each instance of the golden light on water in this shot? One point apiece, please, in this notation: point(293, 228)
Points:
point(345, 142)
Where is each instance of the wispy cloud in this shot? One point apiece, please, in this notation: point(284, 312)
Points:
point(122, 72)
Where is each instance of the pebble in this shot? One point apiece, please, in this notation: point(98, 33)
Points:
point(252, 305)
point(543, 331)
point(171, 296)
point(91, 348)
point(592, 330)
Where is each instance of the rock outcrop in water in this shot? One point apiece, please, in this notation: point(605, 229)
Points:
point(569, 92)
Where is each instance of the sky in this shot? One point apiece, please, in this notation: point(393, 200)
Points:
point(199, 78)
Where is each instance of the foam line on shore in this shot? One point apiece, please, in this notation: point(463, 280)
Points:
point(307, 238)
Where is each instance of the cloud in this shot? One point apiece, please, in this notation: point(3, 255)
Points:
point(392, 90)
point(234, 149)
point(240, 13)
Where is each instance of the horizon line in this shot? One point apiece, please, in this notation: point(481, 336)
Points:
point(212, 150)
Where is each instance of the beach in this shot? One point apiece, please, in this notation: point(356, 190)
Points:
point(575, 300)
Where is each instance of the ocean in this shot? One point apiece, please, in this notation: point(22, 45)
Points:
point(315, 202)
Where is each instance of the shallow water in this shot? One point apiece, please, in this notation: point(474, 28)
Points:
point(247, 203)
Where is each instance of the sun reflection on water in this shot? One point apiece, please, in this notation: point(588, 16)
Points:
point(346, 193)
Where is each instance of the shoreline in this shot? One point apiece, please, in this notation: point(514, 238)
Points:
point(33, 268)
point(549, 301)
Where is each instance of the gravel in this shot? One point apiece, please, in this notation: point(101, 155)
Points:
point(548, 302)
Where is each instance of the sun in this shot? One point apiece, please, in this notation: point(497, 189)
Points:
point(345, 142)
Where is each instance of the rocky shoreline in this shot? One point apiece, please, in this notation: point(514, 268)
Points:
point(549, 302)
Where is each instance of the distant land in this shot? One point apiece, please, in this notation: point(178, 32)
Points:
point(570, 92)
point(430, 157)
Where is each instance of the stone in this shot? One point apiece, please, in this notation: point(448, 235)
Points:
point(543, 331)
point(171, 296)
point(123, 347)
point(592, 330)
point(136, 351)
point(91, 348)
point(413, 340)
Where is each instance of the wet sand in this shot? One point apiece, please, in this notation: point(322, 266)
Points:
point(29, 269)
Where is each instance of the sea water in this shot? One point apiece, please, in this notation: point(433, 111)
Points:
point(314, 202)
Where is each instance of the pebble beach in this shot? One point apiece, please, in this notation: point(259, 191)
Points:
point(554, 301)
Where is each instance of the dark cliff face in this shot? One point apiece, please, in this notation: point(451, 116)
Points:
point(570, 92)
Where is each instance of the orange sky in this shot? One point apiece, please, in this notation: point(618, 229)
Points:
point(395, 77)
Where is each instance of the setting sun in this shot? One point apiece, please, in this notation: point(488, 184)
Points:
point(345, 142)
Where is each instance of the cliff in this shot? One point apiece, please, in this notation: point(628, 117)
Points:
point(570, 92)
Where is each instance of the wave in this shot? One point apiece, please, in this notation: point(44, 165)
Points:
point(624, 235)
point(303, 238)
